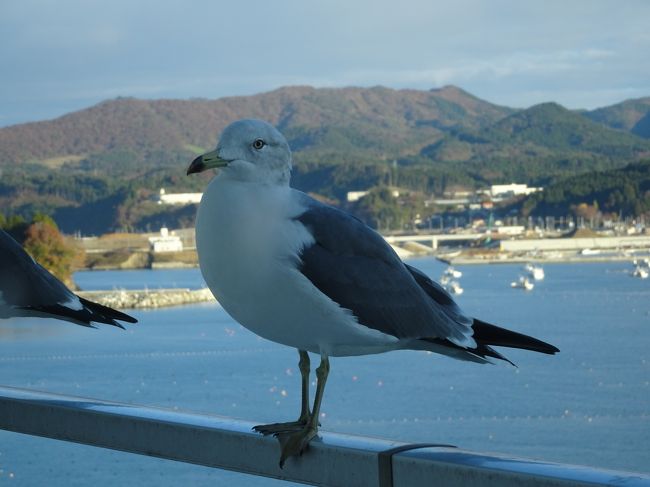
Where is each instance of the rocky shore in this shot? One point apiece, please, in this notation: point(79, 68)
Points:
point(148, 298)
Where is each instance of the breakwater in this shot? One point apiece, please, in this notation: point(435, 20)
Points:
point(148, 298)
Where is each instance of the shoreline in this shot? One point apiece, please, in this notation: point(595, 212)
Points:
point(451, 260)
point(148, 298)
point(578, 249)
point(568, 259)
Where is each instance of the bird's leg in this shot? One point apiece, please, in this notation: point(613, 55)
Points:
point(277, 428)
point(304, 366)
point(295, 443)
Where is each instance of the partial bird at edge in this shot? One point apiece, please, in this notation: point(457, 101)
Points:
point(27, 289)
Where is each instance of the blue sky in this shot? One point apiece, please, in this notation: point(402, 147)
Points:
point(64, 55)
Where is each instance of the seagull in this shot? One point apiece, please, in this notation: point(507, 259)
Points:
point(304, 274)
point(27, 289)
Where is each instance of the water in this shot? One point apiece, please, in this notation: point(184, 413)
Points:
point(139, 279)
point(588, 405)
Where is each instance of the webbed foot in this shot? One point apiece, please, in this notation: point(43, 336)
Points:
point(294, 444)
point(278, 428)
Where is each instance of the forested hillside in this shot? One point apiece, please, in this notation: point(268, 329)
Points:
point(99, 169)
point(630, 115)
point(624, 192)
point(375, 122)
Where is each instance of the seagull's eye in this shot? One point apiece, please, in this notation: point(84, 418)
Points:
point(258, 144)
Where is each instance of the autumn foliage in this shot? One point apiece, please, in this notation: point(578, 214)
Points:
point(44, 242)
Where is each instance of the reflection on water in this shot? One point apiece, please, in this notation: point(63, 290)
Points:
point(16, 329)
point(587, 405)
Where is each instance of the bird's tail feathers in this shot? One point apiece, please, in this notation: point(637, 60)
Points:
point(487, 334)
point(482, 353)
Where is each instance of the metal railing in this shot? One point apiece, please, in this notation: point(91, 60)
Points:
point(332, 459)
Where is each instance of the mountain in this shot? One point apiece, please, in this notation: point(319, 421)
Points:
point(373, 122)
point(99, 169)
point(554, 127)
point(624, 191)
point(630, 115)
point(537, 144)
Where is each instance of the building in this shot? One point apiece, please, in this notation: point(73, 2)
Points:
point(502, 191)
point(165, 242)
point(510, 230)
point(355, 195)
point(178, 198)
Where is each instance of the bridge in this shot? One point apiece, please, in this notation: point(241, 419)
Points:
point(433, 240)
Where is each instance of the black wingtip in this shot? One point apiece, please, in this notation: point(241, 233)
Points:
point(487, 334)
point(89, 314)
point(109, 314)
point(119, 325)
point(486, 351)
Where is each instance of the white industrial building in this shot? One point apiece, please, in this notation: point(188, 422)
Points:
point(165, 242)
point(165, 198)
point(355, 195)
point(510, 230)
point(577, 244)
point(508, 190)
point(352, 196)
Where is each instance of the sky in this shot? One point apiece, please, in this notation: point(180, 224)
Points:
point(60, 56)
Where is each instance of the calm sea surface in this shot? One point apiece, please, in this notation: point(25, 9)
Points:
point(588, 405)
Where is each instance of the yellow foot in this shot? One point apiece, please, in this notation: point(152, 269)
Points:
point(278, 428)
point(293, 444)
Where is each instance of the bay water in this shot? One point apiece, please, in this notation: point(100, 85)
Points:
point(588, 405)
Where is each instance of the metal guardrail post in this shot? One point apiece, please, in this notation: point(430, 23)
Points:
point(332, 459)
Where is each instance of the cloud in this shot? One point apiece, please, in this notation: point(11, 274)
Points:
point(88, 50)
point(499, 68)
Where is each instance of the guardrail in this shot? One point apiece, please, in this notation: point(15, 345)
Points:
point(332, 459)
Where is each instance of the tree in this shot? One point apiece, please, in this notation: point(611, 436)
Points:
point(47, 246)
point(14, 225)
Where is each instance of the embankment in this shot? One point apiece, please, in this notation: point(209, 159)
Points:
point(148, 298)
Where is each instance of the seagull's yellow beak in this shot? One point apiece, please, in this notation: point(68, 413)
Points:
point(209, 160)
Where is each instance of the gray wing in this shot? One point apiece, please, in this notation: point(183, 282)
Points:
point(356, 268)
point(23, 282)
point(440, 295)
point(28, 289)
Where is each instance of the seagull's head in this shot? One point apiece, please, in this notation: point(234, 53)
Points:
point(248, 150)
